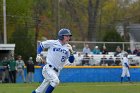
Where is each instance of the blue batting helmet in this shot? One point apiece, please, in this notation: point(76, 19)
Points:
point(63, 32)
point(125, 54)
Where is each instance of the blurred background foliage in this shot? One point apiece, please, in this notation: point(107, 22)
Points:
point(89, 20)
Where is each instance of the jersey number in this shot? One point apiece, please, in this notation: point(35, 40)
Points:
point(63, 59)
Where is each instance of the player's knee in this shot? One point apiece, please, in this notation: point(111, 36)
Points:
point(55, 82)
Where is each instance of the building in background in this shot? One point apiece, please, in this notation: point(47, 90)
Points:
point(6, 50)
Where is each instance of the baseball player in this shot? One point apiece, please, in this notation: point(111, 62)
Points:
point(59, 51)
point(125, 68)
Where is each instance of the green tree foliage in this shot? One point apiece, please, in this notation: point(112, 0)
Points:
point(30, 20)
point(112, 36)
point(1, 21)
point(20, 27)
point(92, 15)
point(25, 45)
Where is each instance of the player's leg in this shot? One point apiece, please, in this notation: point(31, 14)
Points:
point(123, 74)
point(14, 76)
point(10, 75)
point(34, 91)
point(27, 77)
point(128, 75)
point(3, 75)
point(45, 82)
point(17, 73)
point(22, 74)
point(49, 89)
point(129, 79)
point(53, 84)
point(47, 74)
point(42, 87)
point(122, 79)
point(32, 76)
point(53, 78)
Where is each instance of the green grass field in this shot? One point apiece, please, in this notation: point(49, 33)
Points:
point(110, 87)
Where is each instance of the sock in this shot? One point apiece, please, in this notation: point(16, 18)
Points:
point(49, 89)
point(34, 91)
point(128, 78)
point(121, 79)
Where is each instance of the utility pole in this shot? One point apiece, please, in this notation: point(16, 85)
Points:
point(57, 10)
point(4, 21)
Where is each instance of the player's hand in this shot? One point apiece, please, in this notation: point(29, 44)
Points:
point(70, 48)
point(39, 58)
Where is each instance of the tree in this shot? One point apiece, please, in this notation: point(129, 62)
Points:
point(75, 15)
point(25, 45)
point(19, 27)
point(43, 18)
point(92, 12)
point(112, 36)
point(1, 22)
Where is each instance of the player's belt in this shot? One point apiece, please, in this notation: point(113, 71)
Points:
point(55, 69)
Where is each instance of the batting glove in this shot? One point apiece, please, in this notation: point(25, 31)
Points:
point(39, 58)
point(70, 48)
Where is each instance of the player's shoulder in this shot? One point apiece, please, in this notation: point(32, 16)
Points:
point(55, 41)
point(50, 41)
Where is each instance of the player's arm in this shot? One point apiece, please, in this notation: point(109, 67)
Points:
point(126, 65)
point(71, 57)
point(39, 50)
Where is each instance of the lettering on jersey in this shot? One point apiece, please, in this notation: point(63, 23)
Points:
point(61, 50)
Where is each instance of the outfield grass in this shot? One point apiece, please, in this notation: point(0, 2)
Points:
point(75, 88)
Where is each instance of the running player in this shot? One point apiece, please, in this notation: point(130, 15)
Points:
point(58, 53)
